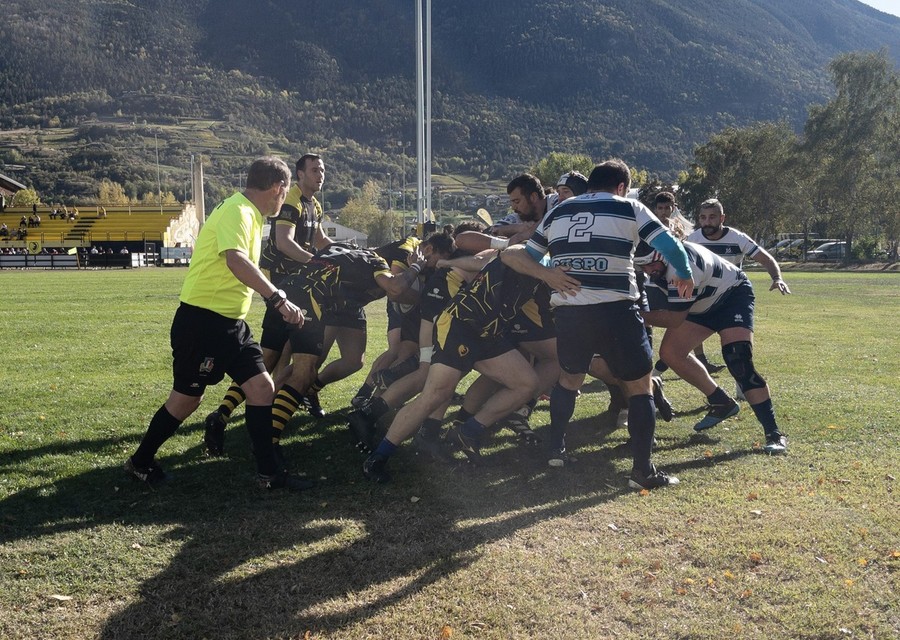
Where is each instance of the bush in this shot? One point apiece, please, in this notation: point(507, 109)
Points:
point(865, 249)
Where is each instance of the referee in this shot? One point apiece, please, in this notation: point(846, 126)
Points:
point(209, 336)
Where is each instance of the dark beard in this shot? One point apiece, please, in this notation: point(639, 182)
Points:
point(709, 231)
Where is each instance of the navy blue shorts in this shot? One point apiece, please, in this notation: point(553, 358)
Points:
point(207, 346)
point(734, 309)
point(613, 330)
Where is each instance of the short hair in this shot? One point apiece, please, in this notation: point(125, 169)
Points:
point(527, 184)
point(440, 242)
point(469, 225)
point(664, 197)
point(713, 203)
point(301, 163)
point(267, 171)
point(608, 175)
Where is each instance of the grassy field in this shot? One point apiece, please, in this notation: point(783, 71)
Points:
point(748, 546)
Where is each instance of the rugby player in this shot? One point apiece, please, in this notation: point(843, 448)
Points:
point(731, 245)
point(295, 234)
point(590, 240)
point(721, 302)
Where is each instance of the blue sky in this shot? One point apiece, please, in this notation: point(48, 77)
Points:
point(888, 6)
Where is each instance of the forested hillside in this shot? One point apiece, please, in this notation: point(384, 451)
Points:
point(96, 81)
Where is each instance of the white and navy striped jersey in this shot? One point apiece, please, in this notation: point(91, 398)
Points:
point(595, 235)
point(732, 246)
point(713, 277)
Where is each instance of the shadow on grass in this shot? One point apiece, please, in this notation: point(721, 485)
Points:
point(254, 565)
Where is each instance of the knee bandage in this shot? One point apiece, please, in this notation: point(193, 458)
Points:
point(739, 359)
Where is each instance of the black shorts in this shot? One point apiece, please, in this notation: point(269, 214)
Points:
point(735, 309)
point(310, 337)
point(532, 324)
point(459, 346)
point(207, 346)
point(348, 315)
point(613, 330)
point(407, 321)
point(275, 331)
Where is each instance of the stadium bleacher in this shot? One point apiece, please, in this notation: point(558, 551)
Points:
point(138, 228)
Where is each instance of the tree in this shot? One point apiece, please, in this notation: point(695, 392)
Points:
point(361, 212)
point(25, 197)
point(110, 192)
point(851, 147)
point(554, 165)
point(752, 171)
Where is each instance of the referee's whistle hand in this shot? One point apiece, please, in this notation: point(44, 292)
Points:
point(291, 314)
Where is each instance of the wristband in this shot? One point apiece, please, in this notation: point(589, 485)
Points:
point(499, 243)
point(416, 266)
point(276, 300)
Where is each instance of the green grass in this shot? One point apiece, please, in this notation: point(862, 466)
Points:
point(803, 546)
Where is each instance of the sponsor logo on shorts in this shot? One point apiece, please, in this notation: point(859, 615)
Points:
point(463, 351)
point(207, 365)
point(738, 317)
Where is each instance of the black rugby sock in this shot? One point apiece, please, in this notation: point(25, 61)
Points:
point(641, 427)
point(259, 426)
point(161, 428)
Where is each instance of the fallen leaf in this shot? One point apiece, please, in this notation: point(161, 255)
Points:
point(863, 532)
point(752, 496)
point(895, 554)
point(414, 499)
point(681, 591)
point(707, 454)
point(755, 558)
point(60, 598)
point(820, 481)
point(728, 574)
point(862, 562)
point(644, 492)
point(710, 582)
point(688, 581)
point(834, 426)
point(743, 595)
point(624, 562)
point(757, 445)
point(848, 583)
point(626, 596)
point(446, 632)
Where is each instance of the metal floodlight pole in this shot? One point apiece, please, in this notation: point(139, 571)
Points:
point(420, 117)
point(158, 182)
point(428, 206)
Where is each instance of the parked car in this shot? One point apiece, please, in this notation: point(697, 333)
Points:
point(828, 251)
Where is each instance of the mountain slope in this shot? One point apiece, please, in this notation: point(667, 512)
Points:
point(646, 79)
